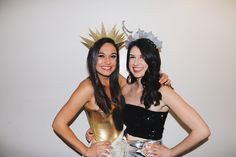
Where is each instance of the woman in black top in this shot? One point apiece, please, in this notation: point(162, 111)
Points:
point(148, 102)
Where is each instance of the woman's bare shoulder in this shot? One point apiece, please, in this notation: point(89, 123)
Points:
point(122, 81)
point(167, 93)
point(85, 86)
point(86, 82)
point(126, 89)
point(165, 89)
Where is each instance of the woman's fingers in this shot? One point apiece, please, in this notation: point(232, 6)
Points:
point(104, 148)
point(151, 150)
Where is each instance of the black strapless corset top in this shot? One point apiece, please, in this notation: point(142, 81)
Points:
point(143, 123)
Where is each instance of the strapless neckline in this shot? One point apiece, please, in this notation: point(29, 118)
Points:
point(142, 108)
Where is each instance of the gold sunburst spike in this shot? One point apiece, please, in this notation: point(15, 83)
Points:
point(114, 34)
point(103, 31)
point(93, 35)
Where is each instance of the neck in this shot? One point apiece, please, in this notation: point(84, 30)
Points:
point(104, 80)
point(138, 82)
point(138, 85)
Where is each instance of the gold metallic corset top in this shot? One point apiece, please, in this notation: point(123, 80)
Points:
point(102, 125)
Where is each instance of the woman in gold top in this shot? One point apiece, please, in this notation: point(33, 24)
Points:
point(99, 95)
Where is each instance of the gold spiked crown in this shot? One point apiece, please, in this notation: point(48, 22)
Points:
point(114, 34)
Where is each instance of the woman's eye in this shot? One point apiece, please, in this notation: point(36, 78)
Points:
point(131, 56)
point(113, 56)
point(100, 55)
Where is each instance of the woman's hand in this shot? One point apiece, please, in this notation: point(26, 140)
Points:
point(89, 136)
point(164, 80)
point(98, 149)
point(156, 150)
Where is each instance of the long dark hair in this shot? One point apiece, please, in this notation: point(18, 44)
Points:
point(102, 100)
point(150, 80)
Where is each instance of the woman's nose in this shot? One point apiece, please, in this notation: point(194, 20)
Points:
point(136, 61)
point(107, 60)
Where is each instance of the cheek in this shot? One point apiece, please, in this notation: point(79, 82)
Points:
point(131, 62)
point(130, 65)
point(114, 60)
point(146, 65)
point(113, 63)
point(99, 60)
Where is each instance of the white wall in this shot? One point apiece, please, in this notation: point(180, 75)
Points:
point(42, 61)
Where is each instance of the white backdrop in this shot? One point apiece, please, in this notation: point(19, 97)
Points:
point(42, 61)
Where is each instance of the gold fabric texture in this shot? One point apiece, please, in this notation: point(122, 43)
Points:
point(102, 125)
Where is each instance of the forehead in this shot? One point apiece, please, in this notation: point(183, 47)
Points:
point(135, 51)
point(107, 48)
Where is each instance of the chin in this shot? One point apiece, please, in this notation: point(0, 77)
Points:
point(105, 74)
point(138, 75)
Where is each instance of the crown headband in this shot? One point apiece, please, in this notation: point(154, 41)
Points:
point(113, 34)
point(140, 34)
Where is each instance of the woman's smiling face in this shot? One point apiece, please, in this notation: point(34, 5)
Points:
point(106, 60)
point(137, 64)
